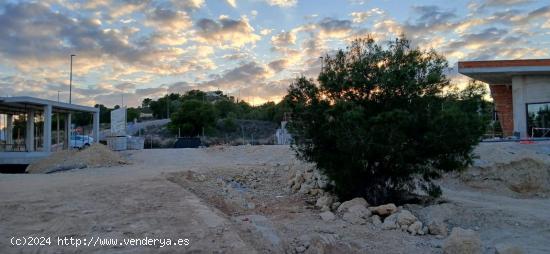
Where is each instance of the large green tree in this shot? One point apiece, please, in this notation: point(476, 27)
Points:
point(378, 123)
point(193, 117)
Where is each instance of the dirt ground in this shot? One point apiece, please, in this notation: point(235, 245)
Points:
point(236, 200)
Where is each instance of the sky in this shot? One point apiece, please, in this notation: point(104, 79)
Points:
point(128, 50)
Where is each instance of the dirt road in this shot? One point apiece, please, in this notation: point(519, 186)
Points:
point(153, 198)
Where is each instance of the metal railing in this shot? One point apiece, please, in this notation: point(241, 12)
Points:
point(13, 147)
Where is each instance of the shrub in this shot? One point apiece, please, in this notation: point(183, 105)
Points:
point(378, 123)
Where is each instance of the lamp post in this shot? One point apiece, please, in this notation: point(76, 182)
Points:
point(71, 81)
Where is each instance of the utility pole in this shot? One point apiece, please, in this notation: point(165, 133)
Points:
point(71, 81)
point(167, 106)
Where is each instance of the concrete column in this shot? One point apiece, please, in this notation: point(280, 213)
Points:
point(47, 128)
point(57, 134)
point(67, 131)
point(96, 126)
point(9, 129)
point(502, 97)
point(29, 137)
point(519, 108)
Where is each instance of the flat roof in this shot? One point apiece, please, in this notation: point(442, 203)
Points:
point(501, 71)
point(19, 104)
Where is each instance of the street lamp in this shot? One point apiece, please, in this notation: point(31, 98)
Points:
point(71, 81)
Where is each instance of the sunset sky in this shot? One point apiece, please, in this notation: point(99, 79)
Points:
point(147, 48)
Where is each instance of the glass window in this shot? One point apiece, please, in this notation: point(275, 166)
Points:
point(538, 119)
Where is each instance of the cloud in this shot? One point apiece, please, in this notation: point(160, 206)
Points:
point(283, 39)
point(233, 3)
point(188, 4)
point(335, 28)
point(227, 32)
point(278, 65)
point(282, 3)
point(360, 17)
point(167, 20)
point(505, 2)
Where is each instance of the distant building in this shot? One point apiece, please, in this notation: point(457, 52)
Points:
point(36, 144)
point(282, 136)
point(521, 93)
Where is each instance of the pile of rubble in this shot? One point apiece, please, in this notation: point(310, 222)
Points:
point(305, 179)
point(97, 155)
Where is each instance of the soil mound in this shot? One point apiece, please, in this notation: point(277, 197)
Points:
point(97, 155)
point(525, 177)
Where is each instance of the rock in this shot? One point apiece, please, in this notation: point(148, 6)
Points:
point(360, 210)
point(415, 228)
point(505, 248)
point(376, 221)
point(437, 227)
point(384, 210)
point(462, 241)
point(327, 216)
point(356, 201)
point(324, 201)
point(390, 222)
point(354, 217)
point(405, 218)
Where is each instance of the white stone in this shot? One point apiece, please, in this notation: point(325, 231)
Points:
point(360, 210)
point(390, 222)
point(415, 228)
point(353, 218)
point(376, 221)
point(405, 218)
point(356, 201)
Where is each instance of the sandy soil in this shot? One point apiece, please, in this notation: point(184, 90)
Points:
point(184, 193)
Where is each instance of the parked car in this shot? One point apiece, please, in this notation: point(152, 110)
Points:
point(81, 141)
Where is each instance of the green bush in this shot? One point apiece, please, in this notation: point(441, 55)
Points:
point(378, 123)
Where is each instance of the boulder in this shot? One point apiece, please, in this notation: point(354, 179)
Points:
point(505, 248)
point(384, 210)
point(415, 228)
point(356, 201)
point(390, 222)
point(376, 221)
point(353, 218)
point(405, 218)
point(462, 241)
point(360, 210)
point(327, 216)
point(437, 227)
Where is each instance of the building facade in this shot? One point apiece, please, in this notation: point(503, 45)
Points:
point(520, 90)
